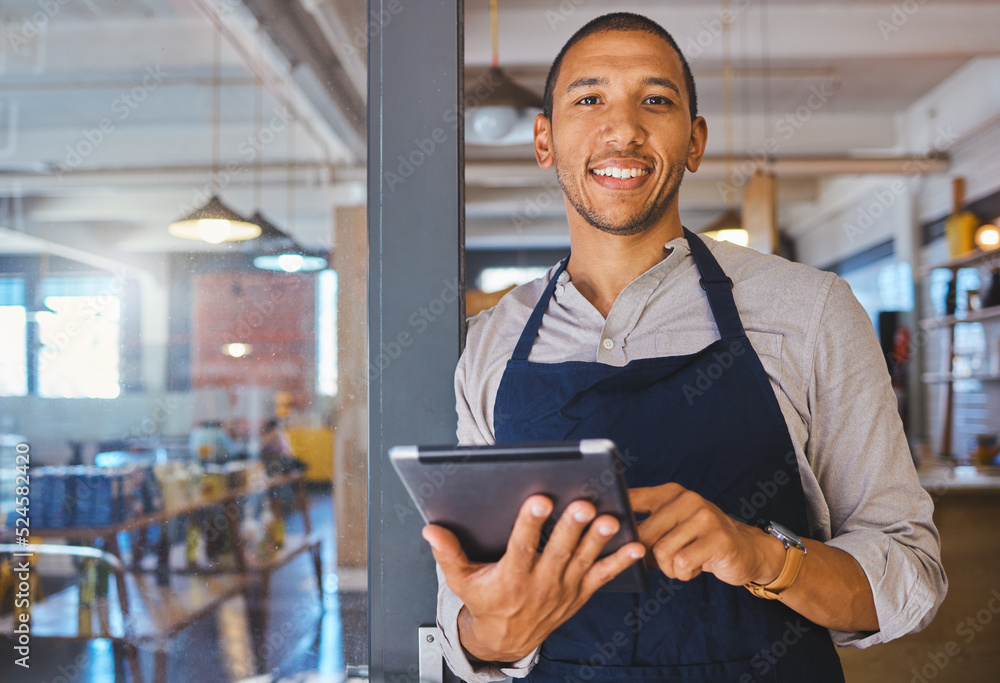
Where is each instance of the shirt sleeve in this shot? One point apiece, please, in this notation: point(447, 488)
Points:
point(879, 512)
point(470, 432)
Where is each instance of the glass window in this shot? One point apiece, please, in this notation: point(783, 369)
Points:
point(80, 339)
point(176, 177)
point(13, 341)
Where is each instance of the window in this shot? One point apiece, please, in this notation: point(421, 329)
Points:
point(14, 340)
point(79, 340)
point(326, 333)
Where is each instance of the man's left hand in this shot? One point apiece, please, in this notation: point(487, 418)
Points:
point(688, 535)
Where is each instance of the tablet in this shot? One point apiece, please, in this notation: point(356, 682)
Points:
point(477, 491)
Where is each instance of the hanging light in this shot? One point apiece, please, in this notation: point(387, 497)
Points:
point(728, 228)
point(988, 236)
point(506, 115)
point(215, 222)
point(294, 260)
point(285, 254)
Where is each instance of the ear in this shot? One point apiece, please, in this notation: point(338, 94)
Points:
point(696, 146)
point(543, 141)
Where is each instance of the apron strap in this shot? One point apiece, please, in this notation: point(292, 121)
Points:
point(530, 331)
point(719, 288)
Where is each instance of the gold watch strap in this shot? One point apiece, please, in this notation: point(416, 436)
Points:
point(793, 562)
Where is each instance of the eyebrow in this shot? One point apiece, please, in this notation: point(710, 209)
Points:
point(590, 81)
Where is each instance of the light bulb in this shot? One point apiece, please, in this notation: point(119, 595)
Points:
point(988, 237)
point(214, 230)
point(290, 263)
point(493, 122)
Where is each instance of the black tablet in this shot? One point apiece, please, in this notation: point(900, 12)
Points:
point(477, 491)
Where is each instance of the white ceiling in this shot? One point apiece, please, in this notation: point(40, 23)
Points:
point(150, 166)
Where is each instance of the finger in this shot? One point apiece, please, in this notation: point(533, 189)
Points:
point(565, 538)
point(522, 546)
point(694, 558)
point(650, 498)
point(609, 567)
point(590, 548)
point(448, 554)
point(679, 541)
point(671, 513)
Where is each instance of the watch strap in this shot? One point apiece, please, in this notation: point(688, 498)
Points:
point(789, 571)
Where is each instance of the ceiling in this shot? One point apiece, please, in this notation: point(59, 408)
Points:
point(144, 70)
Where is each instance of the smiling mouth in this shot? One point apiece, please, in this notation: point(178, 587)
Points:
point(614, 172)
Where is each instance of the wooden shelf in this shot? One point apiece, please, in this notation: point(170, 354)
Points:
point(942, 377)
point(968, 260)
point(982, 314)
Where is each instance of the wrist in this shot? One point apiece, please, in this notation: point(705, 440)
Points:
point(474, 647)
point(772, 557)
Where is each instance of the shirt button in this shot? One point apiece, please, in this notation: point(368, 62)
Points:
point(608, 344)
point(559, 290)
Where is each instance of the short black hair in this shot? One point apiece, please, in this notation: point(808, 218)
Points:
point(619, 21)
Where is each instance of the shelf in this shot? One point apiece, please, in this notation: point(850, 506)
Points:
point(964, 261)
point(942, 377)
point(982, 314)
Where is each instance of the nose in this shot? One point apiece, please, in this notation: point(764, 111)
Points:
point(622, 126)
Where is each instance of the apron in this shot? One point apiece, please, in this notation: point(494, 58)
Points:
point(710, 422)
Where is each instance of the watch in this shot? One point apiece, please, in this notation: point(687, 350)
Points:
point(795, 552)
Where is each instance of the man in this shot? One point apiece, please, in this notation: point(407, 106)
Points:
point(745, 389)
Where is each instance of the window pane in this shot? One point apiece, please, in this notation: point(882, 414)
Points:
point(13, 351)
point(177, 393)
point(80, 340)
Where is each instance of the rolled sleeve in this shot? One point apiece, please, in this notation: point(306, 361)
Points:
point(878, 511)
point(466, 668)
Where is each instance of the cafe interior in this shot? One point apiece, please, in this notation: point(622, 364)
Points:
point(222, 222)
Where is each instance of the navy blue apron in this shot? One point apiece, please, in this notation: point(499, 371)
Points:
point(710, 422)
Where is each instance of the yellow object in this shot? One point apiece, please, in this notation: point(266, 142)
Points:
point(960, 229)
point(314, 447)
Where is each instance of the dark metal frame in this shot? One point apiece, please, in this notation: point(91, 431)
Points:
point(416, 307)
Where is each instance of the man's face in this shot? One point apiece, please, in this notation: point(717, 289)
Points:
point(621, 131)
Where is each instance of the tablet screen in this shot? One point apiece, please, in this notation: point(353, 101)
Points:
point(477, 491)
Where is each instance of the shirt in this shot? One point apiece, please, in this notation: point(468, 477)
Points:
point(820, 352)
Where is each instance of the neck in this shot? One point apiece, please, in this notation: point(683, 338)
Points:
point(602, 264)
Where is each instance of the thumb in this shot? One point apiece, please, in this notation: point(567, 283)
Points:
point(447, 551)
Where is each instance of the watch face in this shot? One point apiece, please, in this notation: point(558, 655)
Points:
point(784, 534)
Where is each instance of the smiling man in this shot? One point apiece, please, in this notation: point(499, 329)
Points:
point(783, 512)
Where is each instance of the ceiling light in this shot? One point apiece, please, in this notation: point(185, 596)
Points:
point(735, 235)
point(505, 115)
point(988, 237)
point(237, 349)
point(214, 223)
point(291, 260)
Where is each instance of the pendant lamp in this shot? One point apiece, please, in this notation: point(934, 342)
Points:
point(215, 222)
point(284, 253)
point(729, 226)
point(506, 115)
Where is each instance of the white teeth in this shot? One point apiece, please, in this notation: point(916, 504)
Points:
point(621, 172)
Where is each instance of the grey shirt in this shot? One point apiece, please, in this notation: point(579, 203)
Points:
point(819, 350)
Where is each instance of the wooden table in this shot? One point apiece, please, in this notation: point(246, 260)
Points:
point(140, 609)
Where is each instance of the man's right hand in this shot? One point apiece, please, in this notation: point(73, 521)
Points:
point(511, 606)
